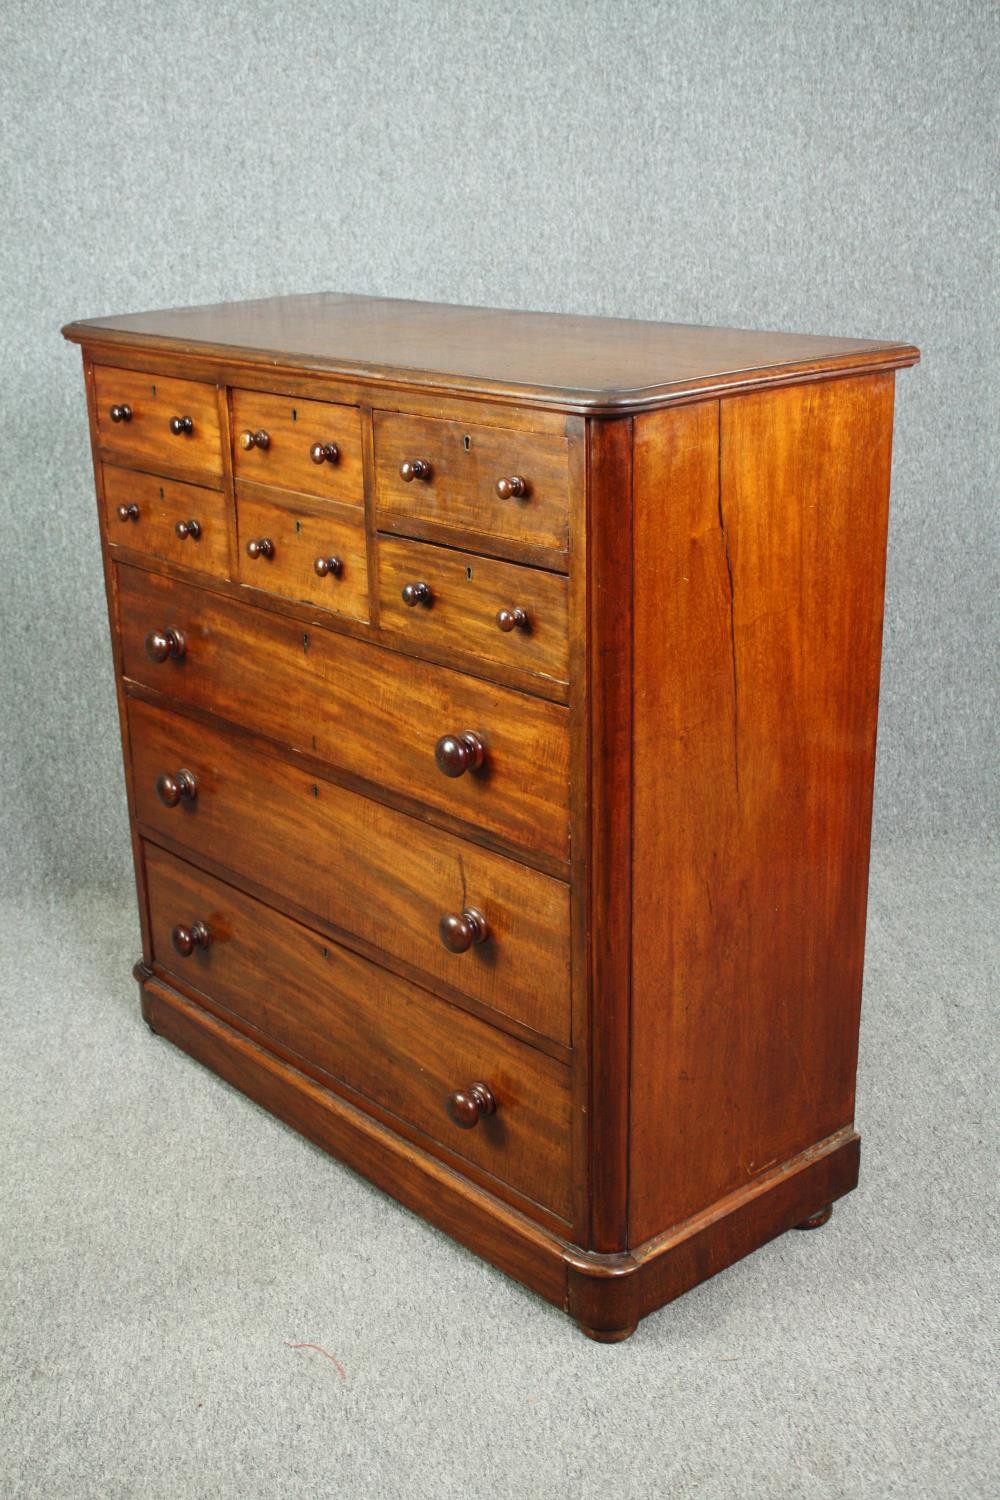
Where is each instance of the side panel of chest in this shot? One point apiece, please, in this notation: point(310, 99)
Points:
point(759, 549)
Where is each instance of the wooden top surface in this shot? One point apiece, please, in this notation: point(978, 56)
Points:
point(550, 359)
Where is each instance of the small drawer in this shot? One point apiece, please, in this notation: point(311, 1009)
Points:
point(156, 422)
point(311, 447)
point(480, 1094)
point(497, 611)
point(494, 482)
point(366, 869)
point(476, 752)
point(182, 523)
point(312, 552)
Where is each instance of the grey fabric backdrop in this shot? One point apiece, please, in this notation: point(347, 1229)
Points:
point(812, 166)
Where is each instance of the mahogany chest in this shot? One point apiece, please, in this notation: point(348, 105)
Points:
point(498, 697)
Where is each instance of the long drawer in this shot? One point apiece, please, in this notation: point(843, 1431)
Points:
point(370, 712)
point(383, 1037)
point(358, 865)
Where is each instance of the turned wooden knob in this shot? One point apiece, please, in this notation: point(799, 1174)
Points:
point(513, 488)
point(418, 593)
point(512, 619)
point(324, 453)
point(466, 1107)
point(260, 547)
point(414, 468)
point(328, 565)
point(459, 933)
point(182, 426)
point(258, 439)
point(128, 512)
point(186, 939)
point(180, 787)
point(121, 413)
point(457, 753)
point(163, 643)
point(190, 529)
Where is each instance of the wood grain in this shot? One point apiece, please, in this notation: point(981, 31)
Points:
point(301, 531)
point(359, 707)
point(360, 866)
point(293, 426)
point(146, 441)
point(466, 463)
point(468, 592)
point(758, 606)
point(386, 1039)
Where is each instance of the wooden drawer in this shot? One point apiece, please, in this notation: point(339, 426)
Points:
point(149, 408)
point(383, 1037)
point(291, 430)
point(465, 464)
point(143, 511)
point(370, 712)
point(464, 600)
point(312, 551)
point(358, 865)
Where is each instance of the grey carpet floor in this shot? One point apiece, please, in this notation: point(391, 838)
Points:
point(164, 1241)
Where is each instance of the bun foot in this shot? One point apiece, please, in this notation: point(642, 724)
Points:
point(609, 1335)
point(818, 1219)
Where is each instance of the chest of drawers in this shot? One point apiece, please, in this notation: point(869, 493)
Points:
point(498, 698)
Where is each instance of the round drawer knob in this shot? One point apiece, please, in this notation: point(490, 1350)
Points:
point(260, 547)
point(466, 1107)
point(186, 939)
point(328, 566)
point(163, 643)
point(457, 753)
point(414, 468)
point(459, 933)
point(418, 593)
point(181, 787)
point(514, 488)
point(185, 529)
point(182, 426)
point(128, 512)
point(324, 453)
point(121, 413)
point(512, 619)
point(259, 439)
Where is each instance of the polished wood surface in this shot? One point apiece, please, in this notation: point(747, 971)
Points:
point(372, 714)
point(462, 600)
point(161, 506)
point(384, 1038)
point(582, 363)
point(148, 439)
point(499, 738)
point(757, 642)
point(457, 490)
point(360, 866)
point(302, 533)
point(291, 430)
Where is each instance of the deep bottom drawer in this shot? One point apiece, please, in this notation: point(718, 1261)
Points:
point(386, 1039)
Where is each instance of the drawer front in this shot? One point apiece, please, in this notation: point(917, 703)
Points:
point(465, 464)
point(144, 512)
point(275, 437)
point(497, 611)
point(313, 552)
point(149, 408)
point(387, 1039)
point(361, 708)
point(362, 867)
